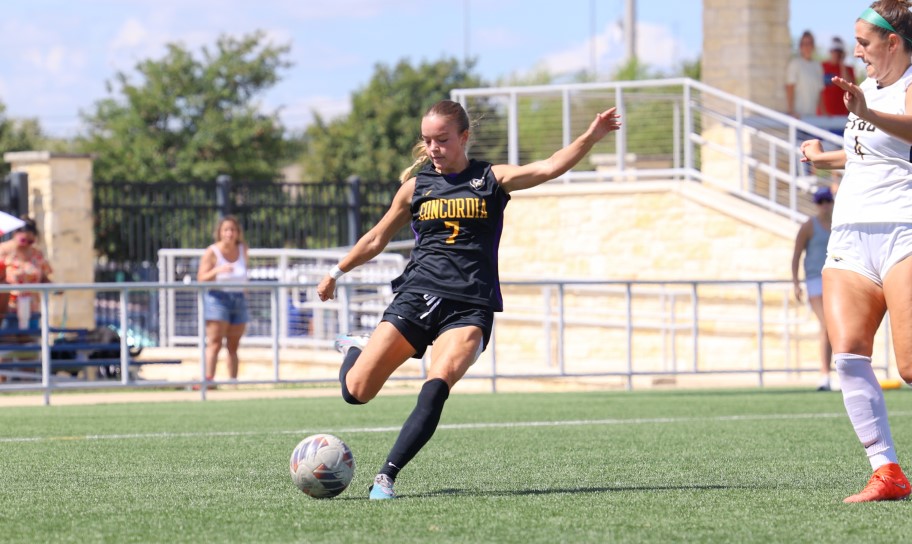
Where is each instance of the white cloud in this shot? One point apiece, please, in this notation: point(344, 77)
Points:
point(55, 61)
point(300, 113)
point(656, 46)
point(131, 34)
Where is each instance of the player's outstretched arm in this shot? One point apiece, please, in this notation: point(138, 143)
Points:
point(371, 244)
point(812, 152)
point(515, 178)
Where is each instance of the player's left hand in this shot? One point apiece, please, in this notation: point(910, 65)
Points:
point(852, 96)
point(605, 122)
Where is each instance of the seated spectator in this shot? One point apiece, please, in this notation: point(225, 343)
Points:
point(22, 263)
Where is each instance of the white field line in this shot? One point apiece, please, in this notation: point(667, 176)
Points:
point(454, 426)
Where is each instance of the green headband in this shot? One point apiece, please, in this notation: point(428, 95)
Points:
point(876, 19)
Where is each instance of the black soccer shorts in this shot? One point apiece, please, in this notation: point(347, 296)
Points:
point(422, 318)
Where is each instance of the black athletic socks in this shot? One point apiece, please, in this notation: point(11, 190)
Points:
point(347, 363)
point(419, 427)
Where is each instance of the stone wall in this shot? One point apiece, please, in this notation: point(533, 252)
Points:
point(60, 202)
point(746, 47)
point(648, 231)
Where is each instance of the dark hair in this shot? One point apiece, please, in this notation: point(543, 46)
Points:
point(29, 226)
point(897, 13)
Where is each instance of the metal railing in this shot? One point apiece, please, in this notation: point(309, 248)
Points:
point(676, 129)
point(552, 329)
point(303, 317)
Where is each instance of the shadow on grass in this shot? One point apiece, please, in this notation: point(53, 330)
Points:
point(449, 492)
point(570, 490)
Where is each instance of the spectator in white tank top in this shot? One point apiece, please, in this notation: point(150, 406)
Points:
point(225, 309)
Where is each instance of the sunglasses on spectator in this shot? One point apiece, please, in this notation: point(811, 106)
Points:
point(825, 201)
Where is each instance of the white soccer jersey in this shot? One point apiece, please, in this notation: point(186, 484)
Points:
point(877, 186)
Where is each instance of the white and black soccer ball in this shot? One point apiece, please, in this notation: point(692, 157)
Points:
point(322, 466)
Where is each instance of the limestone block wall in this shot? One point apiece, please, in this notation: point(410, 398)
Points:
point(642, 231)
point(655, 231)
point(746, 47)
point(60, 202)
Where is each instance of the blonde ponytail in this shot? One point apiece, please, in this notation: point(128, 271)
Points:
point(419, 153)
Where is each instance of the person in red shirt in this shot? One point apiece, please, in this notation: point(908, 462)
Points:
point(831, 102)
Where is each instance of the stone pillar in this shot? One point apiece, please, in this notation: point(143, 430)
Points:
point(60, 202)
point(746, 47)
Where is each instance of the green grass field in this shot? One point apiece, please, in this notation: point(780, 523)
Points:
point(702, 466)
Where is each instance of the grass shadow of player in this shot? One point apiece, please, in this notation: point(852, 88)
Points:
point(448, 492)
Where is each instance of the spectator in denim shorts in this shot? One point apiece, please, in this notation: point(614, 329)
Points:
point(225, 309)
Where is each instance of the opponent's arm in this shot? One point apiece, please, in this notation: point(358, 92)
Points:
point(812, 151)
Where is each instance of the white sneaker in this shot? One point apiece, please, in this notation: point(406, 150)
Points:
point(345, 342)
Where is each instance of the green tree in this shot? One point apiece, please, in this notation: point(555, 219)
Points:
point(375, 139)
point(18, 135)
point(185, 117)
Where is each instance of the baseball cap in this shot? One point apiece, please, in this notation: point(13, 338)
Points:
point(837, 45)
point(823, 193)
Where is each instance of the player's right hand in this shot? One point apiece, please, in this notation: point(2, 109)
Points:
point(327, 289)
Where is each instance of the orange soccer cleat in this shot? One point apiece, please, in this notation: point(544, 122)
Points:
point(887, 484)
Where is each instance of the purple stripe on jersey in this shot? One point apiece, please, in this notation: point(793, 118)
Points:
point(498, 232)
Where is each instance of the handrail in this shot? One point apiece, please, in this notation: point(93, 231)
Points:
point(698, 107)
point(713, 317)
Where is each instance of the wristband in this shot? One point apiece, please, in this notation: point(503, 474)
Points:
point(335, 272)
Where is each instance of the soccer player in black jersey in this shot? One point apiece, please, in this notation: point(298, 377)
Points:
point(450, 288)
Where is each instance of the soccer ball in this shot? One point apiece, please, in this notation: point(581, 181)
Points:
point(322, 466)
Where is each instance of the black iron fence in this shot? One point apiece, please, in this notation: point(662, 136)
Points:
point(14, 194)
point(133, 220)
point(136, 219)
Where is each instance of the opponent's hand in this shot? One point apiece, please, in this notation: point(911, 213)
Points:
point(810, 149)
point(852, 96)
point(326, 290)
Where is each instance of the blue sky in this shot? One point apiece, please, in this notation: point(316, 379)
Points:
point(57, 55)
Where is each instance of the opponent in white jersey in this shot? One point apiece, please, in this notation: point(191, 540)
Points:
point(866, 272)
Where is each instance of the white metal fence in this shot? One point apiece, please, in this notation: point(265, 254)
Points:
point(553, 329)
point(304, 319)
point(672, 129)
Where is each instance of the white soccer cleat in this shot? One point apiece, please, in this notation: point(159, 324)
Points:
point(345, 342)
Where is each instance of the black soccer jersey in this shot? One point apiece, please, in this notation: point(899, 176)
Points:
point(457, 221)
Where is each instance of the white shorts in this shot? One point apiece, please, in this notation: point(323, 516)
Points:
point(869, 249)
point(814, 286)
